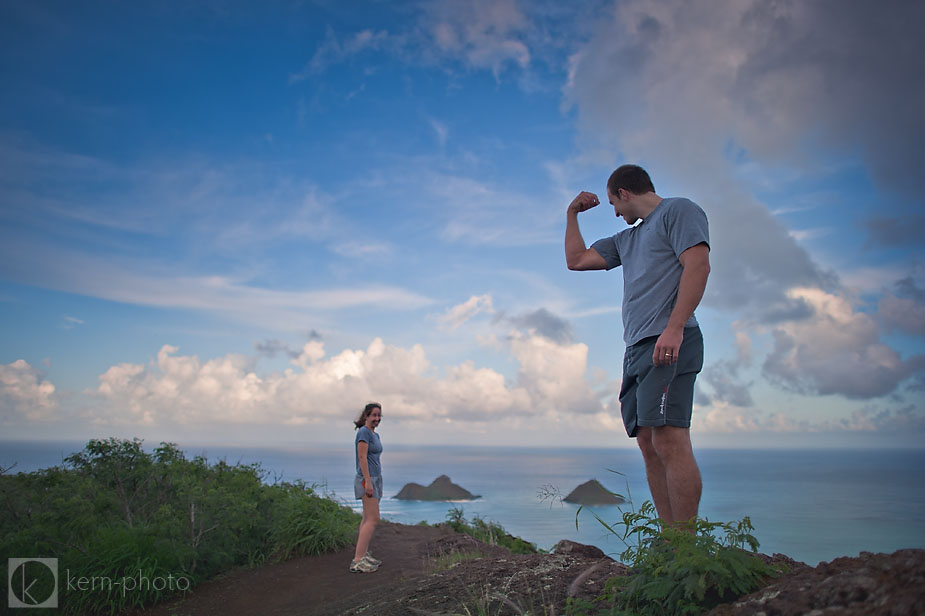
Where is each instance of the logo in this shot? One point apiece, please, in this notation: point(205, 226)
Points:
point(33, 582)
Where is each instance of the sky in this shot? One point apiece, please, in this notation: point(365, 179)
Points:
point(238, 222)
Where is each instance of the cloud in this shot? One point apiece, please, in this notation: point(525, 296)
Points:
point(682, 85)
point(272, 348)
point(544, 323)
point(902, 314)
point(333, 51)
point(896, 232)
point(440, 130)
point(780, 79)
point(24, 393)
point(904, 310)
point(722, 418)
point(481, 212)
point(803, 235)
point(684, 125)
point(485, 34)
point(146, 284)
point(908, 419)
point(69, 322)
point(456, 316)
point(837, 351)
point(363, 250)
point(726, 418)
point(554, 374)
point(186, 390)
point(724, 379)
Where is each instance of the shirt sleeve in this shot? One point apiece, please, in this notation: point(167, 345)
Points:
point(364, 435)
point(687, 226)
point(607, 248)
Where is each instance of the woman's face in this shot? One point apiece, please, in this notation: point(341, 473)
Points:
point(373, 419)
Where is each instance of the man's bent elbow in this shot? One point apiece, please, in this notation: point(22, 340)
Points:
point(580, 266)
point(588, 260)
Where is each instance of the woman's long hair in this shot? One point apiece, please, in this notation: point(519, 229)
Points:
point(361, 420)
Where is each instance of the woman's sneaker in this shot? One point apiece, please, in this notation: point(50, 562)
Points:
point(362, 566)
point(369, 558)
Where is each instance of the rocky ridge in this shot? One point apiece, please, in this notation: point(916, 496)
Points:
point(593, 493)
point(441, 489)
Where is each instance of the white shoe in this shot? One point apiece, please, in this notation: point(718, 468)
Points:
point(362, 566)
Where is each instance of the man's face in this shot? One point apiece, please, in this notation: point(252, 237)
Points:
point(622, 207)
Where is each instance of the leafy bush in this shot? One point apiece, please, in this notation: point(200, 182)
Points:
point(138, 526)
point(680, 569)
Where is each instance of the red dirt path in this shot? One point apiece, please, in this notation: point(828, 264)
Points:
point(320, 585)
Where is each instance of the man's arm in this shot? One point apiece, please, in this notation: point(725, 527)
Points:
point(577, 255)
point(696, 263)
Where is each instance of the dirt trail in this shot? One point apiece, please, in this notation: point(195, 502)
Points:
point(417, 578)
point(320, 585)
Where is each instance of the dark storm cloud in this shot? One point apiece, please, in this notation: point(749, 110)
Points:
point(542, 322)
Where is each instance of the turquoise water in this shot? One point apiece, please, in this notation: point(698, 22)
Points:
point(811, 505)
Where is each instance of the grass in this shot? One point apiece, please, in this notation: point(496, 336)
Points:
point(486, 602)
point(443, 562)
point(488, 532)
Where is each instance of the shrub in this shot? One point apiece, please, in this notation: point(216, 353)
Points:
point(115, 514)
point(681, 569)
point(488, 532)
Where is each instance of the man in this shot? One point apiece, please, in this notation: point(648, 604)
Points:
point(666, 262)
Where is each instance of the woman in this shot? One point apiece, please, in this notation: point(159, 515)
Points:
point(367, 485)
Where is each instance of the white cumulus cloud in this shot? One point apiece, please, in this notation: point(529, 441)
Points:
point(836, 351)
point(184, 389)
point(24, 393)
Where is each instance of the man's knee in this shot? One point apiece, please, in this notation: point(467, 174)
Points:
point(645, 442)
point(671, 441)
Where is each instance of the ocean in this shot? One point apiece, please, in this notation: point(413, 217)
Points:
point(811, 505)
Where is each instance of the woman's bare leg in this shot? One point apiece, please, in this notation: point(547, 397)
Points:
point(367, 526)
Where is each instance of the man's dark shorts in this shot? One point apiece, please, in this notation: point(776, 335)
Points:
point(660, 396)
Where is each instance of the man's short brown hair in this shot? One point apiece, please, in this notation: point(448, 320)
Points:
point(632, 178)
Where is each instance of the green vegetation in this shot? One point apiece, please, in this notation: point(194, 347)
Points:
point(130, 528)
point(678, 570)
point(487, 532)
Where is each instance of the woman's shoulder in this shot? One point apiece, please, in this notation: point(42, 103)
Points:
point(364, 434)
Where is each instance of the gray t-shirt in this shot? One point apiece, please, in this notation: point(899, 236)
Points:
point(649, 255)
point(372, 455)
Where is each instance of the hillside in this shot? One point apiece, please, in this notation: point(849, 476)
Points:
point(418, 577)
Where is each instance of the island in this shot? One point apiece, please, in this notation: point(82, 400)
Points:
point(593, 493)
point(442, 489)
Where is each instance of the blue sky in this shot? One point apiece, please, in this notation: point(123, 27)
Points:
point(239, 222)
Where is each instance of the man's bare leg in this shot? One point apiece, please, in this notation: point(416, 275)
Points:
point(655, 474)
point(673, 446)
point(672, 472)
